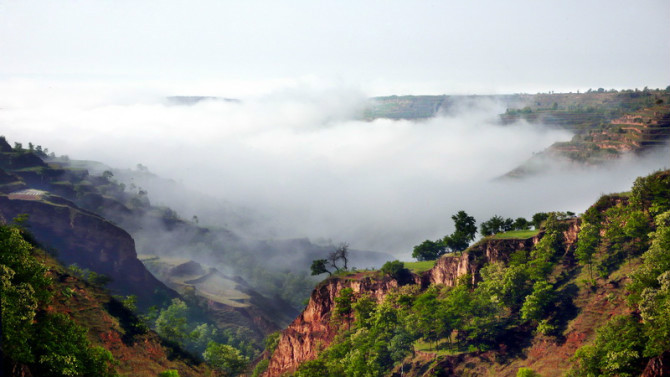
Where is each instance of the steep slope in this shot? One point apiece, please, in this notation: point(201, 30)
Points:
point(83, 238)
point(71, 317)
point(312, 331)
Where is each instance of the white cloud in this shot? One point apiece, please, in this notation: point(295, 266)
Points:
point(299, 157)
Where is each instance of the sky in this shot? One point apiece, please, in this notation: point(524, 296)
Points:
point(90, 79)
point(235, 48)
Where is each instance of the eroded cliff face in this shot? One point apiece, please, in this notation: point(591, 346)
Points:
point(312, 331)
point(449, 269)
point(90, 241)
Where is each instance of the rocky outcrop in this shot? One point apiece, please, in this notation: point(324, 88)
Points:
point(312, 331)
point(81, 237)
point(570, 234)
point(449, 269)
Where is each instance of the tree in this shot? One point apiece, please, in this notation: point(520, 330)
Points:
point(539, 218)
point(537, 303)
point(343, 302)
point(225, 358)
point(313, 368)
point(319, 267)
point(171, 323)
point(341, 253)
point(496, 224)
point(655, 312)
point(363, 309)
point(426, 307)
point(428, 250)
point(23, 285)
point(394, 269)
point(63, 349)
point(521, 224)
point(587, 243)
point(617, 350)
point(465, 232)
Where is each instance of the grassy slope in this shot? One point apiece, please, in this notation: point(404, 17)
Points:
point(419, 267)
point(517, 234)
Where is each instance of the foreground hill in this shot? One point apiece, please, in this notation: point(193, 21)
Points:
point(56, 324)
point(583, 297)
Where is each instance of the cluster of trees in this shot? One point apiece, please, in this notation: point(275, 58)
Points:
point(497, 224)
point(50, 343)
point(223, 349)
point(459, 240)
point(36, 149)
point(460, 318)
point(466, 230)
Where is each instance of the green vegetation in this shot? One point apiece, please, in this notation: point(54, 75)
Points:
point(395, 269)
point(517, 234)
point(530, 295)
point(632, 227)
point(178, 323)
point(497, 224)
point(451, 319)
point(225, 358)
point(419, 267)
point(526, 372)
point(52, 344)
point(606, 124)
point(459, 240)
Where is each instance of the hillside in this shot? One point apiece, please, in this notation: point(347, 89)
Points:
point(585, 296)
point(55, 323)
point(274, 268)
point(75, 215)
point(606, 124)
point(87, 240)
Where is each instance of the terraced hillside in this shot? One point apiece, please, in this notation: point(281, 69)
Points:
point(606, 124)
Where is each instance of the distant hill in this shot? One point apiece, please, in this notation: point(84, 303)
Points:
point(606, 124)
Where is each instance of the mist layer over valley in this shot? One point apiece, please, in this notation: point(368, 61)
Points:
point(301, 162)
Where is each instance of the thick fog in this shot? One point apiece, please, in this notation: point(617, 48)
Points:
point(300, 162)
